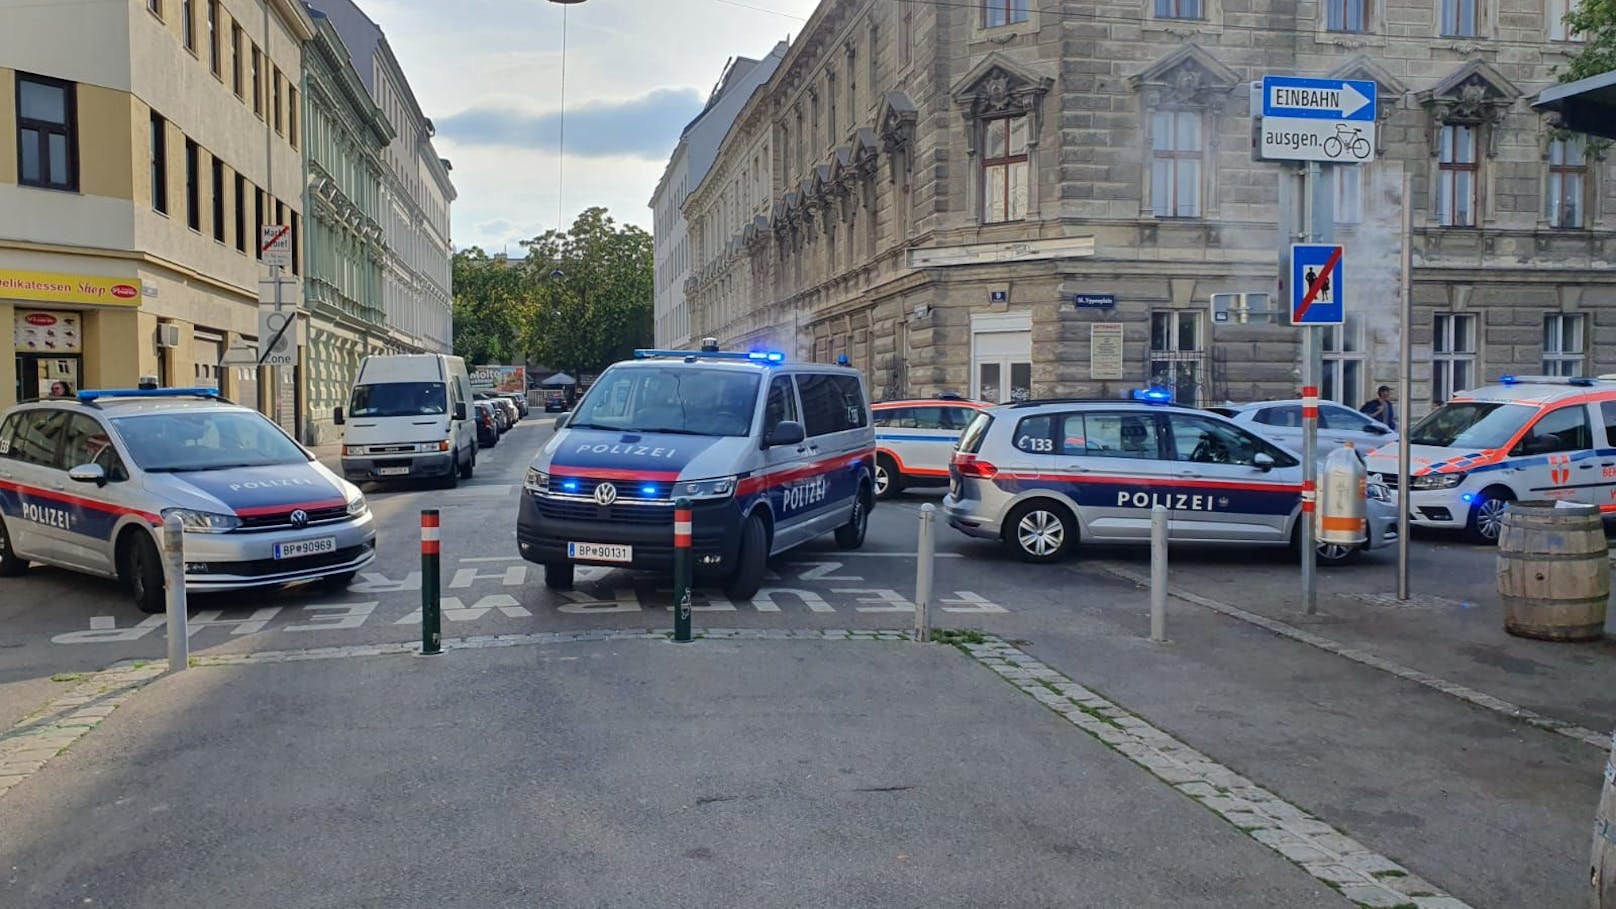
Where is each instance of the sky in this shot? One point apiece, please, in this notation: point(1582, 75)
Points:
point(489, 75)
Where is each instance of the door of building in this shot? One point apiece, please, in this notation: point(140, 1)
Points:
point(1001, 357)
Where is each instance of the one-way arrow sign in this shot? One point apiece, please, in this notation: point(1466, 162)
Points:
point(1318, 99)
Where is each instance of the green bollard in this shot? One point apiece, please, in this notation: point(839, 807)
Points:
point(681, 571)
point(431, 616)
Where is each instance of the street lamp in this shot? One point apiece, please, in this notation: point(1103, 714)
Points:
point(561, 123)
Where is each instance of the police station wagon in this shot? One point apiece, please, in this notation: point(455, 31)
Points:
point(1533, 437)
point(914, 441)
point(85, 484)
point(1040, 476)
point(769, 453)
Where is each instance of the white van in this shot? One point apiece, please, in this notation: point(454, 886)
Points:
point(410, 417)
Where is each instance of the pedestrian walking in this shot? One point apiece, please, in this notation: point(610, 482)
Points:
point(1380, 407)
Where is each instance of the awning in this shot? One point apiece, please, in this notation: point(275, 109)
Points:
point(558, 379)
point(1586, 105)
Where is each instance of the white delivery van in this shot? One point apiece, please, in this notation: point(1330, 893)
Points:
point(409, 417)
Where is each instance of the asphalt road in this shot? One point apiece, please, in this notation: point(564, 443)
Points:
point(1493, 810)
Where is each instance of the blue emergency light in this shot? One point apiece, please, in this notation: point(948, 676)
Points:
point(755, 356)
point(570, 485)
point(91, 394)
point(1153, 395)
point(648, 491)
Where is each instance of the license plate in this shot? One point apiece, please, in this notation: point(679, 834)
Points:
point(392, 471)
point(600, 552)
point(305, 548)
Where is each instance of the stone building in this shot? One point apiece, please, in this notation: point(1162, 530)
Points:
point(952, 194)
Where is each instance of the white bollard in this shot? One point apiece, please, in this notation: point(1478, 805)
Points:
point(923, 572)
point(1158, 573)
point(179, 636)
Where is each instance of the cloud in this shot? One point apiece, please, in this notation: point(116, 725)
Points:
point(645, 127)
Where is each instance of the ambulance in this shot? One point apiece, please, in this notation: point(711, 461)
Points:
point(1528, 437)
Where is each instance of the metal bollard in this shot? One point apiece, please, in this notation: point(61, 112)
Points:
point(179, 633)
point(431, 605)
point(681, 571)
point(924, 563)
point(1158, 573)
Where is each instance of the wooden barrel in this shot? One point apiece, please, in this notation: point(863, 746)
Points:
point(1602, 870)
point(1553, 571)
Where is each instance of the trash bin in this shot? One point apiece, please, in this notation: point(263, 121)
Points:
point(1553, 571)
point(1602, 870)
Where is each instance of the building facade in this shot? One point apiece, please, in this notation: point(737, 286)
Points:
point(345, 244)
point(146, 142)
point(416, 192)
point(1019, 198)
point(692, 157)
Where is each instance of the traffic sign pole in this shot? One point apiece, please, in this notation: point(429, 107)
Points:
point(1310, 416)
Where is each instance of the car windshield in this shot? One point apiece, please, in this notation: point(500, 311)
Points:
point(205, 440)
point(398, 399)
point(1472, 425)
point(703, 402)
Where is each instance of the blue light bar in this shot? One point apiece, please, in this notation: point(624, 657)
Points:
point(1153, 395)
point(760, 356)
point(766, 356)
point(92, 394)
point(1507, 380)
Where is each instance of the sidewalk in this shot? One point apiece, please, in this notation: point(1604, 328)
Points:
point(632, 773)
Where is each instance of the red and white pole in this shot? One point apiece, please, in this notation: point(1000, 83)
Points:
point(681, 570)
point(431, 617)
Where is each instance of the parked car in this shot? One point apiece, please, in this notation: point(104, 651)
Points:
point(504, 411)
point(86, 482)
point(1338, 424)
point(915, 439)
point(487, 428)
point(1041, 476)
point(519, 399)
point(409, 417)
point(555, 402)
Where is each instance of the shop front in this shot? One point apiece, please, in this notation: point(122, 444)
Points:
point(67, 330)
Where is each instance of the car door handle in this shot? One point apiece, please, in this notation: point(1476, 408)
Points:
point(1189, 473)
point(1584, 466)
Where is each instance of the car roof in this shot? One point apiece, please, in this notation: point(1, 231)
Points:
point(931, 402)
point(1099, 404)
point(696, 360)
point(124, 407)
point(1538, 393)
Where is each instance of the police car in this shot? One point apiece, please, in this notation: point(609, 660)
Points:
point(914, 441)
point(1043, 475)
point(85, 484)
point(1532, 437)
point(769, 453)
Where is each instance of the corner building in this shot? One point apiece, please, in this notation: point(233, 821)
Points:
point(950, 194)
point(144, 143)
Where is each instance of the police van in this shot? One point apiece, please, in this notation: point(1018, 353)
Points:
point(1531, 437)
point(914, 441)
point(1041, 476)
point(85, 484)
point(770, 454)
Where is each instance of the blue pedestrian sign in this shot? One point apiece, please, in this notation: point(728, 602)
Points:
point(1317, 284)
point(1318, 99)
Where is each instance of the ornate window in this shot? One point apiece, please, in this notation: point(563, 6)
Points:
point(1456, 181)
point(1180, 93)
point(1002, 103)
point(1003, 12)
point(1467, 110)
point(1568, 180)
point(1460, 18)
point(1004, 169)
point(1347, 15)
point(1175, 165)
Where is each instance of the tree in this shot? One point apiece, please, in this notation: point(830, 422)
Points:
point(594, 285)
point(1595, 22)
point(494, 303)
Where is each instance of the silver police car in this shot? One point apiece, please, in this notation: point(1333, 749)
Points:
point(1042, 475)
point(85, 484)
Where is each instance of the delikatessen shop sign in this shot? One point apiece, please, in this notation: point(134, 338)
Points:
point(46, 287)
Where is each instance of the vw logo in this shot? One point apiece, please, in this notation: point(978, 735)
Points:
point(605, 494)
point(300, 518)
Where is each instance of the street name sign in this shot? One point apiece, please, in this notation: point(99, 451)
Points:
point(1331, 120)
point(1317, 284)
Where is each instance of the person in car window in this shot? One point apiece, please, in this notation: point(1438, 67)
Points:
point(1380, 408)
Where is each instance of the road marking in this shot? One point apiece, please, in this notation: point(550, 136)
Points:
point(1367, 878)
point(821, 571)
point(896, 555)
point(764, 601)
point(341, 616)
point(492, 559)
point(513, 576)
point(1363, 657)
point(103, 622)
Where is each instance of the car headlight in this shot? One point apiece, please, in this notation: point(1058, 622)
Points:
point(204, 521)
point(716, 488)
point(536, 481)
point(358, 507)
point(1436, 480)
point(352, 450)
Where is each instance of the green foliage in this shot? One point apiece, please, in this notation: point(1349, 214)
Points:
point(1595, 21)
point(579, 302)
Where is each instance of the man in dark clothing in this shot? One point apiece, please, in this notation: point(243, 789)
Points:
point(1381, 407)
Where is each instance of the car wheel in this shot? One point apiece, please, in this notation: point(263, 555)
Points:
point(558, 575)
point(851, 534)
point(1487, 516)
point(470, 467)
point(1039, 531)
point(1333, 555)
point(888, 481)
point(142, 569)
point(751, 560)
point(451, 479)
point(11, 565)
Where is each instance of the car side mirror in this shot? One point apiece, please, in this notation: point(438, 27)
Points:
point(1263, 461)
point(460, 411)
point(786, 432)
point(336, 416)
point(88, 473)
point(561, 422)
